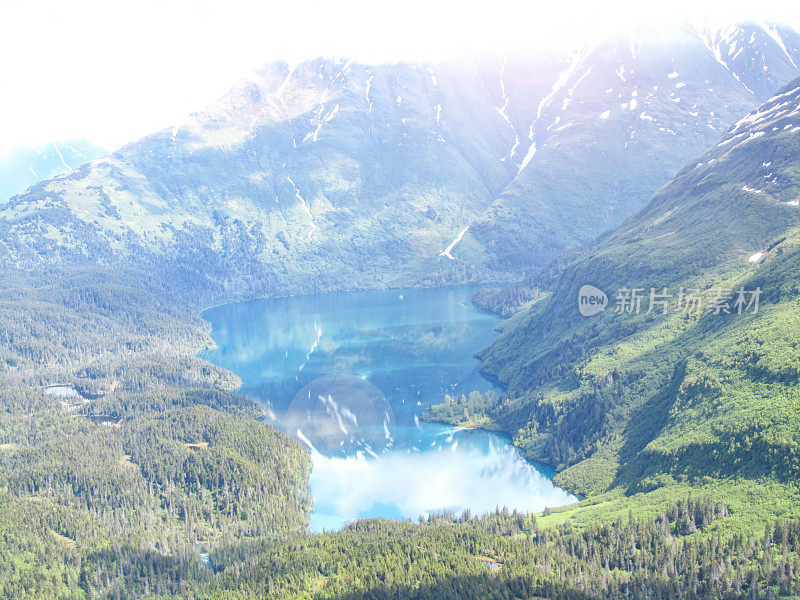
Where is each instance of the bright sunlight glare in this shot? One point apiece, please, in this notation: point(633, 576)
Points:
point(111, 72)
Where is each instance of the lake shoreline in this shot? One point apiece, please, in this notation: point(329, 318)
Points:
point(414, 345)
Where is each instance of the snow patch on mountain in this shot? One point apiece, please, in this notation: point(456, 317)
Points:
point(447, 251)
point(545, 102)
point(502, 109)
point(304, 205)
point(772, 31)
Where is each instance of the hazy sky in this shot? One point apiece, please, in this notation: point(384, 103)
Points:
point(111, 72)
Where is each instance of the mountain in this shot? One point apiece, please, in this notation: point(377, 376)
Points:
point(22, 167)
point(645, 399)
point(331, 174)
point(620, 121)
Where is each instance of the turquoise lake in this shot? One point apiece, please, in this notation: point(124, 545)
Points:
point(350, 375)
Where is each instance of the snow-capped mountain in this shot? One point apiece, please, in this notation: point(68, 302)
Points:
point(331, 174)
point(619, 122)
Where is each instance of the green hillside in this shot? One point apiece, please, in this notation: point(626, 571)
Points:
point(640, 402)
point(113, 490)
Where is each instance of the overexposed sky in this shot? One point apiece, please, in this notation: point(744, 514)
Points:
point(111, 71)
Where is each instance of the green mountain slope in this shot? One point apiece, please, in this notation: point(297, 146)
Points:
point(152, 480)
point(639, 401)
point(116, 487)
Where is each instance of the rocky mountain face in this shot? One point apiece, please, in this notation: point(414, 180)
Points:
point(22, 167)
point(621, 119)
point(332, 174)
point(657, 390)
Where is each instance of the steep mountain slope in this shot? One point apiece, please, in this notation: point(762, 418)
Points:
point(327, 173)
point(22, 167)
point(155, 481)
point(620, 122)
point(641, 398)
point(331, 174)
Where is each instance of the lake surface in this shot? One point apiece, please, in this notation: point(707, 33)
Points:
point(350, 375)
point(62, 391)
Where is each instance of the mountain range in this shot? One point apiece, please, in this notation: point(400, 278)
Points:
point(331, 174)
point(617, 181)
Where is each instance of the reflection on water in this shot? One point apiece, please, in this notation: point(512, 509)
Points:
point(341, 415)
point(350, 374)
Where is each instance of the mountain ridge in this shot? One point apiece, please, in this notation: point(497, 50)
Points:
point(154, 479)
point(336, 175)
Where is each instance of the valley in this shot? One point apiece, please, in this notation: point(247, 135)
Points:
point(153, 447)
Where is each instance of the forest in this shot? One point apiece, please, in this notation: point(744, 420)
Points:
point(157, 481)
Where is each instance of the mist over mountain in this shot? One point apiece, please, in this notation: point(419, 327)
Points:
point(20, 168)
point(331, 174)
point(622, 118)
